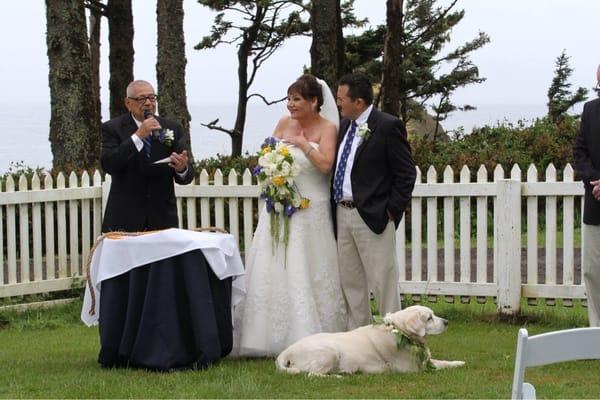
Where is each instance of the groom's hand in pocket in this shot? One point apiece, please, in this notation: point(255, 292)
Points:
point(390, 215)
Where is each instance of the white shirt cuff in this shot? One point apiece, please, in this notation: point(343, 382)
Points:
point(139, 144)
point(182, 174)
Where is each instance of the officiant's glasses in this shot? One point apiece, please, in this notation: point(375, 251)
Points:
point(142, 99)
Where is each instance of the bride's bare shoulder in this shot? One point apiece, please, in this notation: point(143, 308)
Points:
point(283, 125)
point(327, 125)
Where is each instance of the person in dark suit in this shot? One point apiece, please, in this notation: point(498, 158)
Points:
point(586, 153)
point(372, 184)
point(142, 193)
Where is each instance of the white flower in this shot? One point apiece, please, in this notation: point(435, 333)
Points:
point(169, 135)
point(286, 168)
point(278, 207)
point(363, 131)
point(388, 319)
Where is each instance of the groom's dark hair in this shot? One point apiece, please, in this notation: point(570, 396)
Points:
point(359, 86)
point(308, 87)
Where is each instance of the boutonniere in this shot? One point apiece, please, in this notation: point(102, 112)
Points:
point(166, 137)
point(363, 131)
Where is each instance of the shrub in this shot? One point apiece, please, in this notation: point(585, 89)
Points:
point(541, 143)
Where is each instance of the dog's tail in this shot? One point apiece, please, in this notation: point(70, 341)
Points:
point(284, 364)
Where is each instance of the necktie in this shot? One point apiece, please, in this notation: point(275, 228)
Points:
point(147, 145)
point(338, 181)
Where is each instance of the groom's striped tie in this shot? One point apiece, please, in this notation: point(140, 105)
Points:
point(147, 145)
point(338, 181)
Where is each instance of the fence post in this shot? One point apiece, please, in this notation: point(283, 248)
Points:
point(508, 250)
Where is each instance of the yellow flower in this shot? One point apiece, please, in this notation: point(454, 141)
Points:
point(278, 180)
point(304, 203)
point(266, 150)
point(283, 150)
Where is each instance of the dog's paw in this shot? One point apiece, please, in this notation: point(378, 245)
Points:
point(441, 364)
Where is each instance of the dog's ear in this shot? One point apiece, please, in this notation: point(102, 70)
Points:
point(412, 325)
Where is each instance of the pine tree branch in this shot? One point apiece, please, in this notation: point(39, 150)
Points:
point(267, 102)
point(213, 126)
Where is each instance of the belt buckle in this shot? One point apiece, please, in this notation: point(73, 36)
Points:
point(347, 204)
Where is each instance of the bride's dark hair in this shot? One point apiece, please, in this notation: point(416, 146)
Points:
point(308, 87)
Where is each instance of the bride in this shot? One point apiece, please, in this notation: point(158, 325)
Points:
point(296, 292)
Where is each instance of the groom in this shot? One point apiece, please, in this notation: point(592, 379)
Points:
point(372, 184)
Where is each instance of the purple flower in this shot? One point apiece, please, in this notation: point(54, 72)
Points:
point(271, 141)
point(270, 206)
point(256, 170)
point(289, 210)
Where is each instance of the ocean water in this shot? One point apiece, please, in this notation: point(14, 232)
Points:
point(25, 128)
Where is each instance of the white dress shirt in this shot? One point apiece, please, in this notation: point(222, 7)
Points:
point(347, 185)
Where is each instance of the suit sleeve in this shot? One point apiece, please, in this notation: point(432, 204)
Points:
point(178, 147)
point(115, 153)
point(581, 150)
point(402, 169)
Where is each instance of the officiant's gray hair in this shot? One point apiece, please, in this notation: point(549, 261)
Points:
point(135, 83)
point(308, 87)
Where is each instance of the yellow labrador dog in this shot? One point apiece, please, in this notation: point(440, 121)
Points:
point(396, 345)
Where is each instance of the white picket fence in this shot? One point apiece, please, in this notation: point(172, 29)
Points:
point(47, 229)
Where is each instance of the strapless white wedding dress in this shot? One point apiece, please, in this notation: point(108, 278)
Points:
point(287, 300)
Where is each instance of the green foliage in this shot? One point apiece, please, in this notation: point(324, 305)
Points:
point(560, 98)
point(427, 29)
point(18, 168)
point(226, 163)
point(540, 143)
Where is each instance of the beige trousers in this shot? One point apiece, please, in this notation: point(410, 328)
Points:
point(366, 261)
point(591, 271)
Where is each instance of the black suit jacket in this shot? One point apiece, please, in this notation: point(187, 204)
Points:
point(142, 194)
point(383, 174)
point(586, 153)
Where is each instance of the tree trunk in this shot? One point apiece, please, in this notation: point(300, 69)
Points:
point(240, 119)
point(327, 48)
point(392, 58)
point(94, 42)
point(120, 38)
point(74, 141)
point(170, 65)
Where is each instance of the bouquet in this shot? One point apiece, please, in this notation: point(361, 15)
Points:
point(275, 172)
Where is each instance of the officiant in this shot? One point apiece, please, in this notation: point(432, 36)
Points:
point(163, 306)
point(142, 193)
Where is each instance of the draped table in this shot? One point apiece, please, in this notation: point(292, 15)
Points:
point(163, 300)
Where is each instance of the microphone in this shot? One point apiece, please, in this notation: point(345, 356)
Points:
point(148, 114)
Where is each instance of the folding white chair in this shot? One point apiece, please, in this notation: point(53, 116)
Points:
point(550, 348)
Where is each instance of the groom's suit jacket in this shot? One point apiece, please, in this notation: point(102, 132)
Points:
point(142, 194)
point(586, 153)
point(383, 174)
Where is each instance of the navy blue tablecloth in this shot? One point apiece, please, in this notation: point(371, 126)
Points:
point(170, 314)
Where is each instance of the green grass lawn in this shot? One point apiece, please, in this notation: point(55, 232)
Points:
point(50, 354)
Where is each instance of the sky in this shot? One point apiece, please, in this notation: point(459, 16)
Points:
point(526, 38)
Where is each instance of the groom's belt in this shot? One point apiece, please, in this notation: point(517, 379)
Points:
point(347, 204)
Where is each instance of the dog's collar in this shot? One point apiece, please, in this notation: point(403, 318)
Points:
point(403, 341)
